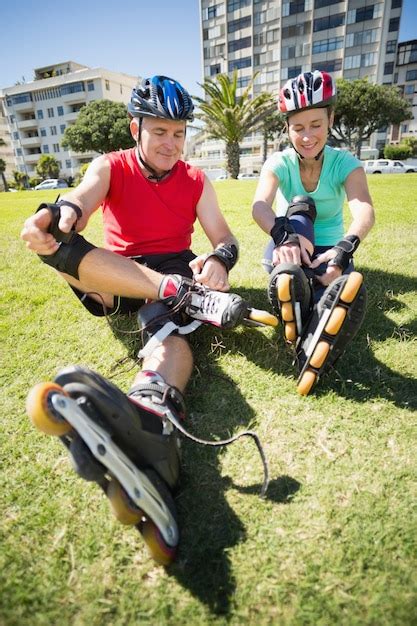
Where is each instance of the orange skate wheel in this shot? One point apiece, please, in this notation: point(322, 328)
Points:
point(284, 288)
point(40, 411)
point(263, 317)
point(123, 508)
point(306, 383)
point(351, 288)
point(287, 312)
point(160, 551)
point(290, 331)
point(336, 320)
point(320, 354)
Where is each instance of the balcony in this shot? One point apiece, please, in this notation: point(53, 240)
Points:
point(27, 124)
point(79, 97)
point(24, 106)
point(32, 158)
point(31, 142)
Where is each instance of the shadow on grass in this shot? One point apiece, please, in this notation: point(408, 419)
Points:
point(209, 526)
point(358, 375)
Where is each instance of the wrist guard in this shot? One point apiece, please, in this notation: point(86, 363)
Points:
point(283, 232)
point(73, 247)
point(55, 211)
point(344, 251)
point(228, 254)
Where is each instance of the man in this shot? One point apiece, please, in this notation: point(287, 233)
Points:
point(150, 200)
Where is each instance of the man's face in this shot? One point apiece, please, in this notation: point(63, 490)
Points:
point(162, 141)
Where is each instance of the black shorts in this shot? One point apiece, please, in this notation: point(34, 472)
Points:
point(171, 263)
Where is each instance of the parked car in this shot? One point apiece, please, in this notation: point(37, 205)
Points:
point(387, 166)
point(51, 183)
point(247, 176)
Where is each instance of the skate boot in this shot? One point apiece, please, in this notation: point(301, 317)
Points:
point(335, 320)
point(224, 310)
point(290, 293)
point(126, 444)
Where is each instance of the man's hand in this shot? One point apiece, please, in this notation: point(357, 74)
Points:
point(210, 272)
point(35, 230)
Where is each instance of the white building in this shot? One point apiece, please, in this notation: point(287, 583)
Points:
point(281, 38)
point(38, 112)
point(406, 79)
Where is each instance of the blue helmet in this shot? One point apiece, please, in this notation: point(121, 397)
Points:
point(160, 96)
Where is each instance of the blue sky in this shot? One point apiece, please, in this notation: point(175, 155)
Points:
point(135, 37)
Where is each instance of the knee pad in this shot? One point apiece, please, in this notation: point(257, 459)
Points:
point(152, 317)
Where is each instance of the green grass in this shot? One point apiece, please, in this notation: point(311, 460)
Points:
point(334, 542)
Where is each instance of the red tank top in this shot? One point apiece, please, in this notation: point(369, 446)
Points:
point(145, 217)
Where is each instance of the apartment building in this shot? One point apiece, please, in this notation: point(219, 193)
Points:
point(6, 152)
point(278, 39)
point(406, 79)
point(38, 112)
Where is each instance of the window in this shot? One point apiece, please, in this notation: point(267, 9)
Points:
point(90, 85)
point(391, 46)
point(243, 82)
point(62, 128)
point(411, 75)
point(409, 90)
point(235, 25)
point(18, 151)
point(51, 112)
point(388, 68)
point(362, 37)
point(39, 114)
point(68, 163)
point(367, 13)
point(404, 128)
point(294, 71)
point(107, 85)
point(352, 62)
point(296, 30)
point(72, 88)
point(53, 130)
point(238, 44)
point(325, 3)
point(394, 24)
point(60, 110)
point(330, 21)
point(43, 132)
point(56, 147)
point(238, 64)
point(326, 45)
point(329, 66)
point(215, 69)
point(396, 4)
point(45, 149)
point(233, 5)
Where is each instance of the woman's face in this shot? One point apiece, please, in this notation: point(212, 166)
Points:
point(308, 131)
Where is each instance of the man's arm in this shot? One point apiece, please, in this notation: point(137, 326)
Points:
point(88, 196)
point(211, 271)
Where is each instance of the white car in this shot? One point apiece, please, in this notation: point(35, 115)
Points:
point(247, 176)
point(51, 183)
point(387, 166)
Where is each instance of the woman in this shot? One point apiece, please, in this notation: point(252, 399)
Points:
point(308, 251)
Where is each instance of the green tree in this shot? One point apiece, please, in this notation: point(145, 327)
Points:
point(412, 142)
point(101, 126)
point(2, 171)
point(21, 179)
point(80, 174)
point(47, 167)
point(230, 117)
point(400, 151)
point(362, 108)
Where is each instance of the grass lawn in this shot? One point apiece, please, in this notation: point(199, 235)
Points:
point(335, 540)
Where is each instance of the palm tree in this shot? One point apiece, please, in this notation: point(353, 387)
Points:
point(2, 170)
point(230, 117)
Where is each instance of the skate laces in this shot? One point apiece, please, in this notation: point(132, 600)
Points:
point(207, 305)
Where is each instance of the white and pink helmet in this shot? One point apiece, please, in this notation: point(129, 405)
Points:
point(310, 90)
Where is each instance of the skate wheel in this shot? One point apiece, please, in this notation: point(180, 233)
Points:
point(306, 382)
point(287, 312)
point(284, 288)
point(160, 551)
point(320, 354)
point(263, 317)
point(335, 321)
point(290, 331)
point(351, 288)
point(41, 412)
point(123, 508)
